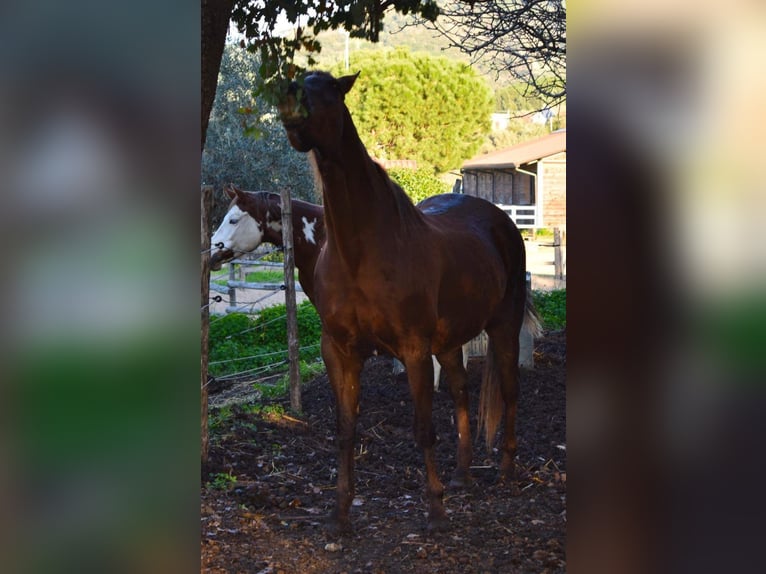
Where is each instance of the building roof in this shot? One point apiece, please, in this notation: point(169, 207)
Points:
point(518, 155)
point(400, 163)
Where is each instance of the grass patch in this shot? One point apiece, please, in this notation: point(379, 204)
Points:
point(258, 276)
point(218, 418)
point(221, 481)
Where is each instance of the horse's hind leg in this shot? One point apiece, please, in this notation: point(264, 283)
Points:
point(452, 363)
point(504, 348)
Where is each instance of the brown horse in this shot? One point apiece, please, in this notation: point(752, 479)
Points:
point(411, 282)
point(256, 217)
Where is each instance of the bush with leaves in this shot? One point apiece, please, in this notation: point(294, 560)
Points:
point(418, 183)
point(239, 342)
point(246, 143)
point(551, 307)
point(414, 106)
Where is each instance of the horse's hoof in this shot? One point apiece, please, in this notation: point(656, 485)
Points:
point(513, 489)
point(437, 524)
point(510, 485)
point(337, 527)
point(461, 481)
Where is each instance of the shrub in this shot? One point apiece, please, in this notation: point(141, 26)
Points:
point(552, 308)
point(418, 183)
point(239, 342)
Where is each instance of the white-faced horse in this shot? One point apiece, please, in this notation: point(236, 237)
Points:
point(256, 217)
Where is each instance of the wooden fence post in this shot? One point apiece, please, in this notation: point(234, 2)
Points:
point(207, 203)
point(232, 290)
point(558, 267)
point(291, 308)
point(526, 341)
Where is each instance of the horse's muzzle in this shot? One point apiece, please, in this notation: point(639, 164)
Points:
point(218, 258)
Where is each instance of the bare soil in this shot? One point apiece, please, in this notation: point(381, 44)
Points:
point(271, 519)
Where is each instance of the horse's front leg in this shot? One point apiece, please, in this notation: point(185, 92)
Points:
point(343, 370)
point(420, 373)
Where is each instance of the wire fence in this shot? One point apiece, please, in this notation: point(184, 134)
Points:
point(231, 287)
point(227, 288)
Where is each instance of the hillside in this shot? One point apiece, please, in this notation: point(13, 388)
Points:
point(398, 31)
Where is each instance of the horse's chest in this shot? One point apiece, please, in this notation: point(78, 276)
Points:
point(354, 316)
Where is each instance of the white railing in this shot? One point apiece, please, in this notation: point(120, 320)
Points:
point(524, 216)
point(236, 280)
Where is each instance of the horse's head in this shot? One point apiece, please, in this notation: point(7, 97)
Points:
point(239, 231)
point(313, 111)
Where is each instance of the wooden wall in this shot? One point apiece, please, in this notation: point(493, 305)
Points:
point(516, 188)
point(553, 171)
point(500, 186)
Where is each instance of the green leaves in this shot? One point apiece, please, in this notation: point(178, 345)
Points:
point(239, 342)
point(246, 143)
point(286, 56)
point(552, 308)
point(418, 183)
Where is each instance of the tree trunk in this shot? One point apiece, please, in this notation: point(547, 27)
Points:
point(207, 202)
point(215, 24)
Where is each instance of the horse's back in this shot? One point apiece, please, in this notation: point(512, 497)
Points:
point(460, 210)
point(466, 216)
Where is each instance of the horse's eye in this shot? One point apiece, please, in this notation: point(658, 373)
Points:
point(233, 221)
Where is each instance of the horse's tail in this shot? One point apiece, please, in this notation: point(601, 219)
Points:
point(490, 398)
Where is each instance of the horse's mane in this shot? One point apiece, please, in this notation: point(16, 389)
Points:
point(318, 186)
point(404, 205)
point(268, 201)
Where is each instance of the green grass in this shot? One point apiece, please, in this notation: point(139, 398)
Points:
point(258, 276)
point(552, 308)
point(221, 480)
point(219, 418)
point(266, 276)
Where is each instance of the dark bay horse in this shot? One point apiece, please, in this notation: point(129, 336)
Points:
point(255, 217)
point(412, 282)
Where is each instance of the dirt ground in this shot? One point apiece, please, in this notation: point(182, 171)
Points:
point(271, 518)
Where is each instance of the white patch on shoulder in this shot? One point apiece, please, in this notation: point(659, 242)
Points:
point(308, 230)
point(273, 224)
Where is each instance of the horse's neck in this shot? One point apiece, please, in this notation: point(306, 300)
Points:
point(271, 219)
point(360, 203)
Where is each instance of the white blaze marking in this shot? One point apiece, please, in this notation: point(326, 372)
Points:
point(308, 230)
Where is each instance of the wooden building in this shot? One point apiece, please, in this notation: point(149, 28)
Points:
point(527, 180)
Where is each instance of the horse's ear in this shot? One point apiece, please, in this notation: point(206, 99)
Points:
point(234, 192)
point(345, 83)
